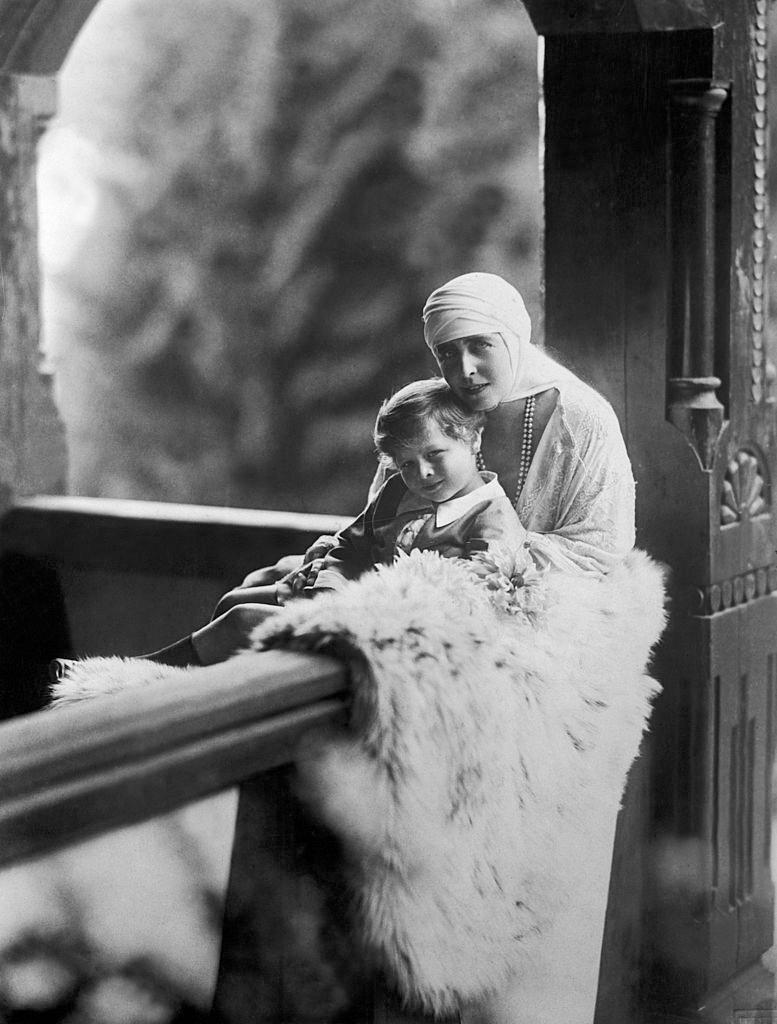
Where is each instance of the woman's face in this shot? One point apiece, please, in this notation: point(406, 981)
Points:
point(478, 369)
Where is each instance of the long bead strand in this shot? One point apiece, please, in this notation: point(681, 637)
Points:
point(526, 447)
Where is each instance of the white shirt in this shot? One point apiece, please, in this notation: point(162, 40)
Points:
point(449, 511)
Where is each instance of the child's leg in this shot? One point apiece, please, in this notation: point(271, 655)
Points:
point(226, 633)
point(182, 654)
point(266, 594)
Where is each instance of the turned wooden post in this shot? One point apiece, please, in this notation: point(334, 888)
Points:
point(692, 402)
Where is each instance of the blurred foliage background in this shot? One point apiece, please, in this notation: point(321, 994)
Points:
point(244, 204)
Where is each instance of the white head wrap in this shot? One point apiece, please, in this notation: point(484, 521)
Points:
point(486, 304)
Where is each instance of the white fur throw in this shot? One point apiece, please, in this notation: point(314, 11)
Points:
point(486, 749)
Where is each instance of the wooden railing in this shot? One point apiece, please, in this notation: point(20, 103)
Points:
point(120, 573)
point(69, 773)
point(88, 577)
point(157, 537)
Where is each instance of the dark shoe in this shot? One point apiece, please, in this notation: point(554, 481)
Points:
point(59, 669)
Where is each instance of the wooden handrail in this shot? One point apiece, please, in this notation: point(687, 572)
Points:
point(158, 537)
point(164, 511)
point(69, 773)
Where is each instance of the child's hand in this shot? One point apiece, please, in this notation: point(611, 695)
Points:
point(288, 567)
point(299, 582)
point(283, 591)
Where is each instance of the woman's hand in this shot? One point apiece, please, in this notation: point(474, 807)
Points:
point(228, 633)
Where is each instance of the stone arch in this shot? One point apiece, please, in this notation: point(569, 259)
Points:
point(36, 37)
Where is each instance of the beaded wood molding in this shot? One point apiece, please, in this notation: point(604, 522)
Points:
point(760, 203)
point(737, 590)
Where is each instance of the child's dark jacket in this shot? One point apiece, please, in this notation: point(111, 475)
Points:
point(488, 520)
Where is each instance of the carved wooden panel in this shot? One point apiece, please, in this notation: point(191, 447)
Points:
point(745, 489)
point(612, 145)
point(734, 710)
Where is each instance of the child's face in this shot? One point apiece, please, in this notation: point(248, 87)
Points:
point(438, 467)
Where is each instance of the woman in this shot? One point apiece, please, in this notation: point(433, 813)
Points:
point(553, 441)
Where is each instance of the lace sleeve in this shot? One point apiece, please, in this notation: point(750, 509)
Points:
point(588, 493)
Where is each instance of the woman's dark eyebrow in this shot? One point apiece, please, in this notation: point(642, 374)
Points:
point(468, 338)
point(450, 346)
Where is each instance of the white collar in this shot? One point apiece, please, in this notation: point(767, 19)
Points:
point(449, 511)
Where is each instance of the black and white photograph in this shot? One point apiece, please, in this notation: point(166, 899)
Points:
point(388, 559)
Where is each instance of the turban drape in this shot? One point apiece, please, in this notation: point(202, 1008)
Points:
point(480, 303)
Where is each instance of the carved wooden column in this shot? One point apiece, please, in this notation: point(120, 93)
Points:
point(32, 446)
point(692, 403)
point(655, 248)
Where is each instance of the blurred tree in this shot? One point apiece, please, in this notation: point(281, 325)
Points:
point(245, 204)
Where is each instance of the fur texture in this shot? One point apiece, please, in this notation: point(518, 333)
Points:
point(477, 787)
point(101, 677)
point(487, 753)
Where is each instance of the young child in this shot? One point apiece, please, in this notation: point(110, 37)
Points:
point(437, 500)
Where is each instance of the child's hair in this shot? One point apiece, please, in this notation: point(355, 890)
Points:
point(404, 418)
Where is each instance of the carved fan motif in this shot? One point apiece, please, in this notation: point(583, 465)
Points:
point(743, 490)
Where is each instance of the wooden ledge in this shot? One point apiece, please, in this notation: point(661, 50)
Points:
point(609, 17)
point(168, 511)
point(72, 772)
point(157, 537)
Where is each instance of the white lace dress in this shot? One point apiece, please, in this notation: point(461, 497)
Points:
point(577, 503)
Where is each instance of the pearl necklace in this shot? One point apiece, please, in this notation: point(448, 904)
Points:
point(526, 447)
